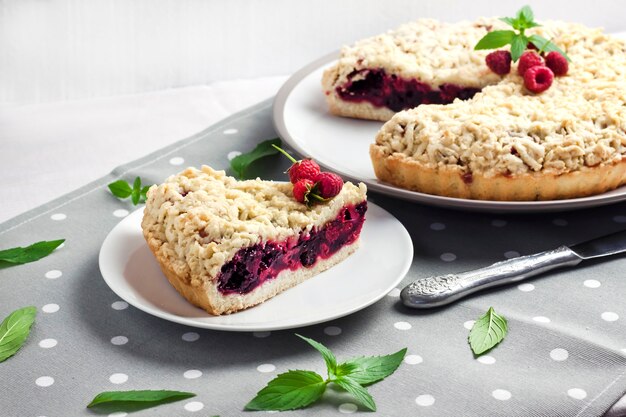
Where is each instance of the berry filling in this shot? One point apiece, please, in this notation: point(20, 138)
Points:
point(252, 266)
point(382, 90)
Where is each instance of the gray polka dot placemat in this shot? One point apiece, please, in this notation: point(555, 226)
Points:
point(565, 354)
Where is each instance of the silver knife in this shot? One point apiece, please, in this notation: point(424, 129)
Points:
point(443, 289)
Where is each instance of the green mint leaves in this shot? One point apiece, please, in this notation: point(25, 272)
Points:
point(489, 330)
point(14, 331)
point(136, 400)
point(298, 389)
point(524, 19)
point(240, 164)
point(34, 252)
point(137, 192)
point(288, 391)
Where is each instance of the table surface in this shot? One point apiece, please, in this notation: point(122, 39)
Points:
point(51, 149)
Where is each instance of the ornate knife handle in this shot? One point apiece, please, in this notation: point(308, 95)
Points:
point(444, 289)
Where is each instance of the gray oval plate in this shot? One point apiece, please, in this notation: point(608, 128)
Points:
point(341, 144)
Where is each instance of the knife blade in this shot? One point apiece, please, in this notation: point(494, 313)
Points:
point(440, 290)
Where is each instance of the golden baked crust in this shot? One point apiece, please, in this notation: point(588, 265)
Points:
point(196, 221)
point(452, 181)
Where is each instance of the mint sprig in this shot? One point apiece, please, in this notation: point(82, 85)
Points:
point(298, 389)
point(14, 331)
point(489, 330)
point(524, 19)
point(122, 189)
point(136, 400)
point(240, 163)
point(34, 252)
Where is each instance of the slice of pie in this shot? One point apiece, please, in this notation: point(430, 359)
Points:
point(227, 245)
point(423, 62)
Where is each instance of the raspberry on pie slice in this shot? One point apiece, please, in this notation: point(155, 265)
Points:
point(227, 245)
point(423, 62)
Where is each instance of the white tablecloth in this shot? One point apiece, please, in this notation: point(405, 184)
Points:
point(50, 149)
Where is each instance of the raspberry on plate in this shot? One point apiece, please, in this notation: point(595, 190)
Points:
point(305, 169)
point(557, 63)
point(538, 79)
point(528, 60)
point(302, 189)
point(329, 184)
point(499, 62)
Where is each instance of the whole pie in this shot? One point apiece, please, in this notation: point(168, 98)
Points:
point(227, 245)
point(482, 135)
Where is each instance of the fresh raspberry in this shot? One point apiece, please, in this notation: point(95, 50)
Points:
point(328, 184)
point(538, 79)
point(302, 189)
point(527, 60)
point(305, 169)
point(499, 62)
point(557, 63)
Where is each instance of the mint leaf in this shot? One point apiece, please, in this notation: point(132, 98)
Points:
point(546, 45)
point(120, 189)
point(510, 21)
point(137, 193)
point(329, 357)
point(525, 15)
point(124, 400)
point(358, 391)
point(495, 39)
point(489, 330)
point(289, 391)
point(370, 369)
point(240, 164)
point(34, 252)
point(518, 46)
point(14, 331)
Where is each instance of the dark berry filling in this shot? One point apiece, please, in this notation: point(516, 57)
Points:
point(382, 90)
point(252, 266)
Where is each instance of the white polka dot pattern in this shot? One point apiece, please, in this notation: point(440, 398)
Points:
point(577, 393)
point(119, 340)
point(192, 374)
point(44, 381)
point(50, 308)
point(501, 394)
point(190, 336)
point(47, 343)
point(413, 359)
point(194, 406)
point(448, 257)
point(425, 400)
point(469, 324)
point(402, 325)
point(118, 378)
point(347, 408)
point(266, 368)
point(592, 283)
point(559, 354)
point(230, 131)
point(119, 305)
point(526, 287)
point(541, 319)
point(54, 274)
point(177, 160)
point(609, 316)
point(120, 213)
point(332, 330)
point(58, 216)
point(232, 155)
point(486, 360)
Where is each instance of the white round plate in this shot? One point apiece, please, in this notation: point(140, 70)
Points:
point(377, 267)
point(341, 144)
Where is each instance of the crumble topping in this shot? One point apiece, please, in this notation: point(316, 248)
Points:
point(201, 218)
point(580, 121)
